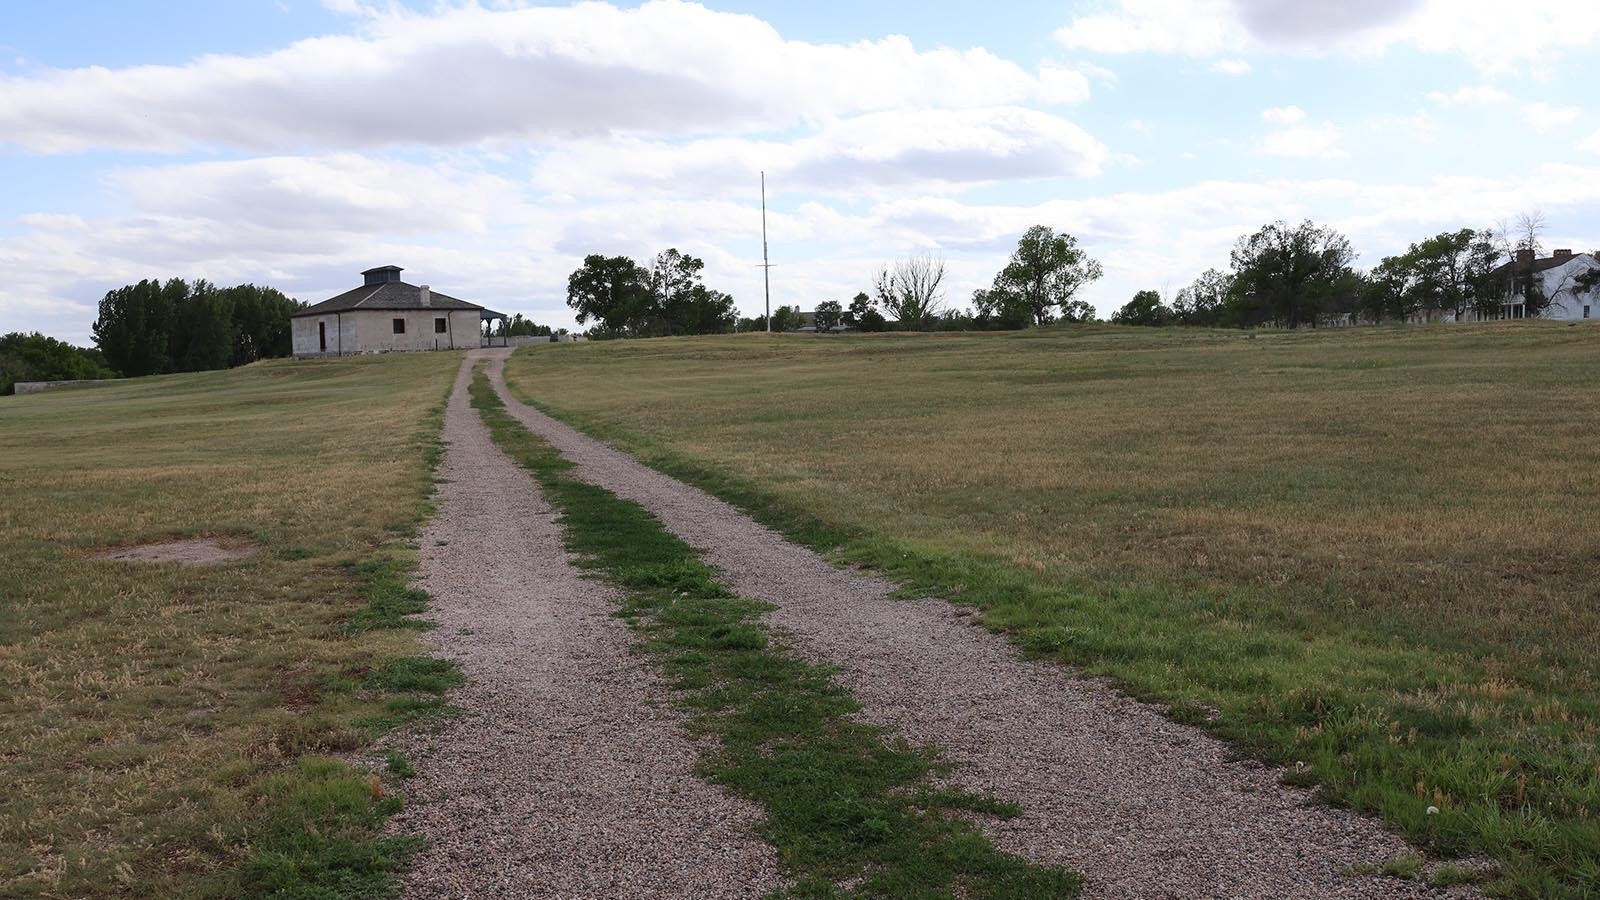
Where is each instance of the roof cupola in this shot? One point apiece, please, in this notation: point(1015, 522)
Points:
point(382, 274)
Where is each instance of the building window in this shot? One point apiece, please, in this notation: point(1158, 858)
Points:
point(1586, 312)
point(399, 326)
point(439, 326)
point(322, 333)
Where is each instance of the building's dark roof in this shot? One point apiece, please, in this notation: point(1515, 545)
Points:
point(1539, 265)
point(391, 295)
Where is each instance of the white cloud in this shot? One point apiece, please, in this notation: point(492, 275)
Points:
point(1484, 32)
point(1419, 126)
point(343, 192)
point(469, 74)
point(1283, 115)
point(1541, 115)
point(1545, 118)
point(1590, 144)
point(1474, 94)
point(1305, 142)
point(873, 153)
point(1198, 28)
point(1231, 67)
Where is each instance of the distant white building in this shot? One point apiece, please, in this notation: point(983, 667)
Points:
point(1558, 276)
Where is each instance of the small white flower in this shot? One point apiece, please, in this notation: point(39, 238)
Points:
point(1433, 810)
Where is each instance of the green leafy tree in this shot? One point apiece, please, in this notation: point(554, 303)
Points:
point(704, 311)
point(1205, 302)
point(132, 329)
point(1449, 272)
point(787, 318)
point(1584, 283)
point(260, 322)
point(1077, 311)
point(1044, 273)
point(612, 291)
point(828, 315)
point(1386, 290)
point(863, 315)
point(1290, 275)
point(203, 331)
point(674, 276)
point(1145, 308)
point(1000, 308)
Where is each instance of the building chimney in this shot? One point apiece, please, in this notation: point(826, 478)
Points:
point(1562, 255)
point(1525, 258)
point(427, 296)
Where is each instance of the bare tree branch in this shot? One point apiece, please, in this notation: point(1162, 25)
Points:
point(910, 289)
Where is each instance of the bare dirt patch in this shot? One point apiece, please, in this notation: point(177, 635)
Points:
point(185, 552)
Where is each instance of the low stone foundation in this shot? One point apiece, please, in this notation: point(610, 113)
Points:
point(36, 387)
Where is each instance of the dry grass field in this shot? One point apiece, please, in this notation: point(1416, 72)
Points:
point(1372, 555)
point(177, 731)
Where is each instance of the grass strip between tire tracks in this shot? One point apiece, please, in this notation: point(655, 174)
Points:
point(851, 811)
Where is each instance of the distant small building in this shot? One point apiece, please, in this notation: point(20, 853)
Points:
point(808, 324)
point(386, 314)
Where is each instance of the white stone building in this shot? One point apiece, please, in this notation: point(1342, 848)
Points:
point(1560, 277)
point(386, 314)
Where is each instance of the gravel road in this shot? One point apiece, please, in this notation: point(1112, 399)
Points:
point(1142, 806)
point(565, 777)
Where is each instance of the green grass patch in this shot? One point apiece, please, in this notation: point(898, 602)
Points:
point(849, 809)
point(390, 600)
point(1293, 540)
point(397, 765)
point(317, 841)
point(415, 674)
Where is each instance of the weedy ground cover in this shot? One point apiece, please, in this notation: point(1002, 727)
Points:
point(178, 731)
point(850, 811)
point(1371, 555)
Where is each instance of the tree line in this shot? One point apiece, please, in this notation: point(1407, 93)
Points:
point(156, 327)
point(1281, 275)
point(624, 298)
point(1294, 275)
point(517, 326)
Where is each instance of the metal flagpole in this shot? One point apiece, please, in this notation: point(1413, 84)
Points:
point(766, 267)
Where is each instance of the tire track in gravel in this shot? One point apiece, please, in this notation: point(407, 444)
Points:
point(1144, 807)
point(562, 778)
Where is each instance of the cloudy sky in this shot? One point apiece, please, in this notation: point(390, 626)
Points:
point(486, 147)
